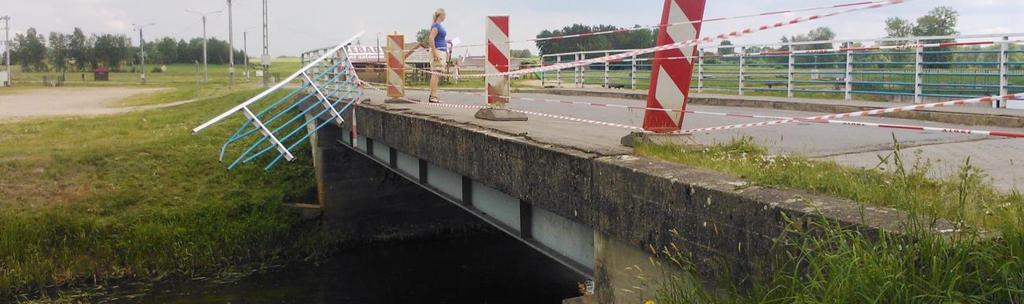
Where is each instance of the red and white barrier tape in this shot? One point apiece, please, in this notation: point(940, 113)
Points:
point(625, 30)
point(707, 39)
point(825, 119)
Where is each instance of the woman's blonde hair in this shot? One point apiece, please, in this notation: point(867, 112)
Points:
point(438, 13)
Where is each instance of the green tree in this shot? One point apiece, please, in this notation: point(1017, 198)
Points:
point(78, 49)
point(112, 50)
point(423, 37)
point(30, 51)
point(725, 48)
point(59, 51)
point(896, 27)
point(636, 38)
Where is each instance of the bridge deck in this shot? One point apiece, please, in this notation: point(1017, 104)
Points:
point(848, 145)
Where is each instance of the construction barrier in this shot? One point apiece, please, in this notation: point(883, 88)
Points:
point(396, 66)
point(670, 79)
point(498, 54)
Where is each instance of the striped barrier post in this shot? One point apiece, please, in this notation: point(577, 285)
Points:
point(499, 87)
point(670, 79)
point(396, 66)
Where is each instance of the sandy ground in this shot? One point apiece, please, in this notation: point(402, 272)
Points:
point(52, 102)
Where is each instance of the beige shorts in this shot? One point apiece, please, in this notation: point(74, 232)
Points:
point(437, 63)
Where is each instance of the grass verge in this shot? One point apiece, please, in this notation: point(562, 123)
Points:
point(136, 196)
point(824, 262)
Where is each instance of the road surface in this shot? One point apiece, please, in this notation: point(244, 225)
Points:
point(1000, 158)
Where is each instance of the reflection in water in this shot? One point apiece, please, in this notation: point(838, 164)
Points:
point(484, 268)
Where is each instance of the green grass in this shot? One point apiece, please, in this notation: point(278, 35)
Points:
point(137, 196)
point(824, 262)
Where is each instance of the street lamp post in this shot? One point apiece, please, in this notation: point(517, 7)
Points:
point(231, 46)
point(245, 49)
point(142, 48)
point(7, 49)
point(206, 68)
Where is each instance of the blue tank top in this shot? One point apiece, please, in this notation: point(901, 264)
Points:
point(440, 41)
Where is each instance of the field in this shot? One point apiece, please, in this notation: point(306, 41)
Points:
point(184, 81)
point(94, 200)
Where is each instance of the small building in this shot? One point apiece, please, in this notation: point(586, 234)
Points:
point(101, 74)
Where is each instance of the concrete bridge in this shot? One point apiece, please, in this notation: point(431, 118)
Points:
point(570, 190)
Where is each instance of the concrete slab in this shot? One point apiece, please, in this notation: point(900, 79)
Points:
point(801, 139)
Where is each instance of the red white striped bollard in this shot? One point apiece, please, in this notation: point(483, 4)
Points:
point(498, 61)
point(670, 79)
point(396, 66)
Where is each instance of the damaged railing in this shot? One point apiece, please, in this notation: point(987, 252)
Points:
point(276, 123)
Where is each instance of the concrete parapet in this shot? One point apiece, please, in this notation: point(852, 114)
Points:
point(630, 202)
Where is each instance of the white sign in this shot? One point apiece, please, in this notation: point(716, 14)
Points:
point(3, 77)
point(259, 73)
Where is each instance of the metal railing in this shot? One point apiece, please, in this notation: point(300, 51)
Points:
point(888, 69)
point(276, 120)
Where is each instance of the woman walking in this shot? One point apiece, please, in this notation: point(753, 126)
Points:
point(438, 47)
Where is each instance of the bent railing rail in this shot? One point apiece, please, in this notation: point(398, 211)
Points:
point(275, 122)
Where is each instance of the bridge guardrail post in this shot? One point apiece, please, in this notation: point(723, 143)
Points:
point(583, 70)
point(918, 72)
point(849, 76)
point(700, 69)
point(791, 74)
point(632, 74)
point(1004, 80)
point(499, 87)
point(742, 75)
point(558, 72)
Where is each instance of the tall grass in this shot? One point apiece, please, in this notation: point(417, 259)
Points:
point(821, 261)
point(136, 196)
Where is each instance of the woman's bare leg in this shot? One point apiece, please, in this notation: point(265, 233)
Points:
point(433, 85)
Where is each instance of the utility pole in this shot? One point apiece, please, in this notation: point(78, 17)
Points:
point(231, 47)
point(142, 48)
point(245, 50)
point(7, 48)
point(266, 48)
point(206, 68)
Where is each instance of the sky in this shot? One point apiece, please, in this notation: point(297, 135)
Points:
point(300, 25)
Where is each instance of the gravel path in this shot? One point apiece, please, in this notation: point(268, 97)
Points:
point(52, 102)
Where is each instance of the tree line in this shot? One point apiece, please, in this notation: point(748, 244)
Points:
point(940, 21)
point(80, 52)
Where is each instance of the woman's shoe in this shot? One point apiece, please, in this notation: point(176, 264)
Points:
point(434, 99)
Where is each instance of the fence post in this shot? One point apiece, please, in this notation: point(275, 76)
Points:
point(743, 71)
point(791, 74)
point(1004, 80)
point(606, 71)
point(700, 69)
point(632, 74)
point(849, 76)
point(918, 72)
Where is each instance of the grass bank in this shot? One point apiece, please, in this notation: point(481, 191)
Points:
point(136, 196)
point(826, 263)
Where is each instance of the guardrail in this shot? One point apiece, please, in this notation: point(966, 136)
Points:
point(275, 122)
point(891, 68)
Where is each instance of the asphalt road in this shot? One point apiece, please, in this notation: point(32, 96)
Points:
point(1002, 159)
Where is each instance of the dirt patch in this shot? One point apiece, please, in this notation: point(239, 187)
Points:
point(50, 102)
